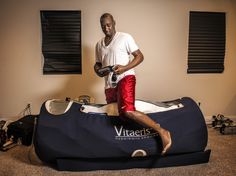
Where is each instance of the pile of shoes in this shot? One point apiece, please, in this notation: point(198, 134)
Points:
point(224, 124)
point(5, 142)
point(17, 132)
point(3, 135)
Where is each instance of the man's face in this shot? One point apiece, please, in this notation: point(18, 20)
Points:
point(108, 26)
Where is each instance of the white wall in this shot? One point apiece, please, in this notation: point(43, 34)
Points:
point(160, 27)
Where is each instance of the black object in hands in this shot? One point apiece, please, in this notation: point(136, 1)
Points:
point(114, 77)
point(107, 69)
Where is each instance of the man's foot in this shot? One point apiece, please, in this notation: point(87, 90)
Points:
point(166, 141)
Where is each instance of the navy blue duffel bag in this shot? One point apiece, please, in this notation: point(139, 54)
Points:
point(75, 140)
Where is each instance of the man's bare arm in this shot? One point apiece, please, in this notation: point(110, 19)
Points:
point(97, 67)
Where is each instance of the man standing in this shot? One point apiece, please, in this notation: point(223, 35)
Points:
point(114, 50)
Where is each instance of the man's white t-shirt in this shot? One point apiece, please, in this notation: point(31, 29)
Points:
point(116, 53)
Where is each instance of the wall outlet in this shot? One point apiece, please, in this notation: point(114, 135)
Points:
point(28, 105)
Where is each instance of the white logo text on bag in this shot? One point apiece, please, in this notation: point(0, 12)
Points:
point(127, 134)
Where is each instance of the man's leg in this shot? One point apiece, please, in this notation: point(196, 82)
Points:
point(111, 95)
point(144, 120)
point(126, 100)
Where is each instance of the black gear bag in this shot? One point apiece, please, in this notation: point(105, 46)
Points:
point(22, 129)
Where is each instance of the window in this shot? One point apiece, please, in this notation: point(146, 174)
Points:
point(61, 42)
point(206, 42)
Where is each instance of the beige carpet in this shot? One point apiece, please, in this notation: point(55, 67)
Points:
point(22, 161)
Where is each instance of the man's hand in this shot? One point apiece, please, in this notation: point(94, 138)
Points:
point(119, 69)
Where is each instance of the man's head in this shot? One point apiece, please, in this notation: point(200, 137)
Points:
point(108, 24)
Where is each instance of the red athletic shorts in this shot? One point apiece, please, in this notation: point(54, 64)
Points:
point(123, 94)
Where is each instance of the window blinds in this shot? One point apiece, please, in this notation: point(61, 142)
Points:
point(206, 49)
point(61, 42)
